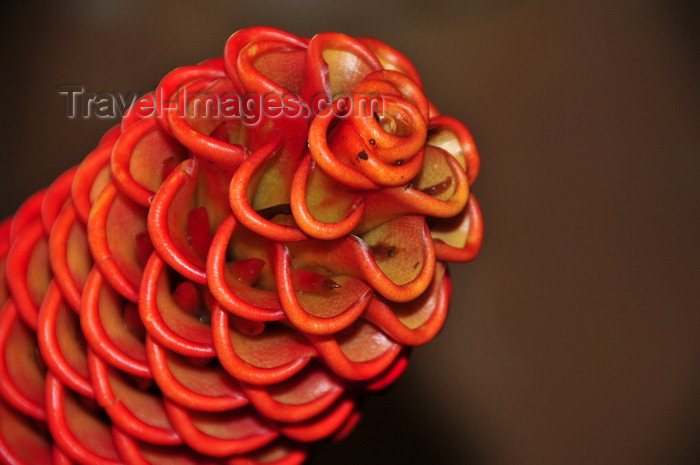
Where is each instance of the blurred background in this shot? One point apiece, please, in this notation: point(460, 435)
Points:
point(574, 337)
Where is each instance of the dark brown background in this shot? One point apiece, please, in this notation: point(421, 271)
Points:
point(574, 336)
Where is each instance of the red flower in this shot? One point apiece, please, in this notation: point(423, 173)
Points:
point(257, 245)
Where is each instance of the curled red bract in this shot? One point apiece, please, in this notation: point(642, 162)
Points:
point(233, 267)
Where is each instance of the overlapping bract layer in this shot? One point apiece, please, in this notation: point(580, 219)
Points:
point(210, 289)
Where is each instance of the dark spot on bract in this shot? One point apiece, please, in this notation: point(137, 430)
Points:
point(439, 188)
point(270, 212)
point(363, 155)
point(329, 284)
point(383, 251)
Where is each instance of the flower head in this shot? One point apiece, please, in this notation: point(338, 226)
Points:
point(257, 244)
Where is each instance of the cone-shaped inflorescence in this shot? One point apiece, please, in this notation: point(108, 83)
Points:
point(255, 246)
